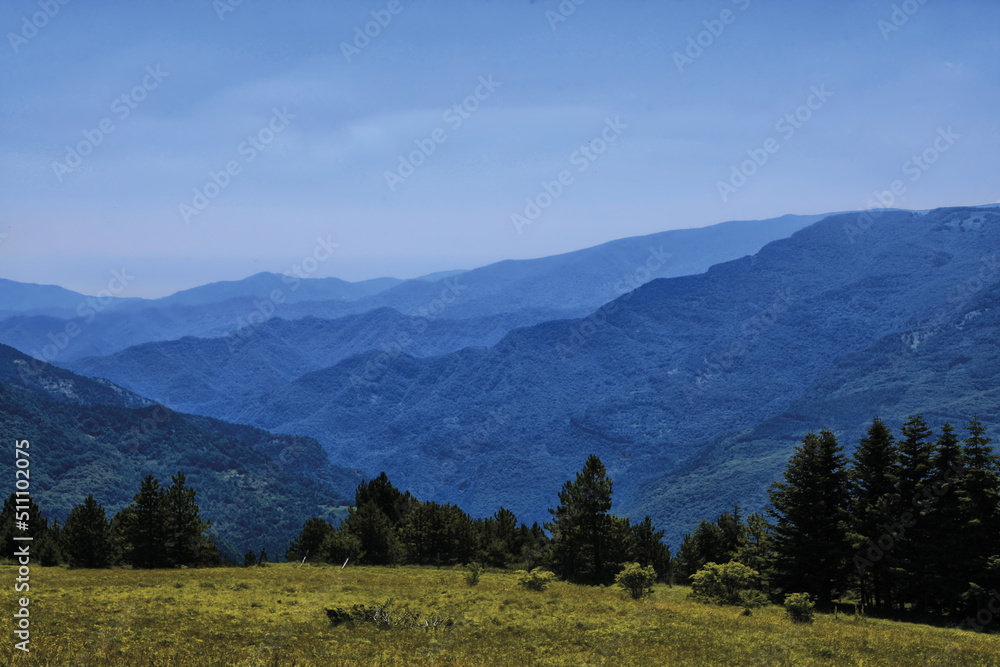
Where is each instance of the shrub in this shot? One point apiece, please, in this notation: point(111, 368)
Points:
point(730, 583)
point(800, 608)
point(536, 580)
point(636, 580)
point(472, 573)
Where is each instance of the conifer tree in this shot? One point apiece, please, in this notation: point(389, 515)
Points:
point(579, 525)
point(875, 510)
point(980, 542)
point(86, 538)
point(810, 512)
point(914, 478)
point(947, 574)
point(143, 527)
point(186, 539)
point(310, 541)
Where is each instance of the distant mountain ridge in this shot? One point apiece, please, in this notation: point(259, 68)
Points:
point(653, 381)
point(524, 291)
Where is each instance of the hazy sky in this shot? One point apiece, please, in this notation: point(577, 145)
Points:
point(184, 86)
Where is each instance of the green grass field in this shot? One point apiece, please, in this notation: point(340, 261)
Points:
point(275, 616)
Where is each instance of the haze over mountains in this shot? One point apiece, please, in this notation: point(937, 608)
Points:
point(693, 385)
point(567, 285)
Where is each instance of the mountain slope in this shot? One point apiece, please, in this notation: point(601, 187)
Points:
point(256, 487)
point(225, 377)
point(648, 382)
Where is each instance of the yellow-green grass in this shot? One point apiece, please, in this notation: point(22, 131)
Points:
point(275, 616)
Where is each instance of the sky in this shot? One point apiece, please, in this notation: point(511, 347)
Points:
point(189, 142)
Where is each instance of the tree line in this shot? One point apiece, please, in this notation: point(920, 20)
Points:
point(906, 524)
point(160, 528)
point(583, 542)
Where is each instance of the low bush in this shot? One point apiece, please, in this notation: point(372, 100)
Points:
point(536, 580)
point(636, 580)
point(729, 583)
point(472, 573)
point(800, 608)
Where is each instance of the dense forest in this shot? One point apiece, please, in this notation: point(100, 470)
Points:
point(907, 526)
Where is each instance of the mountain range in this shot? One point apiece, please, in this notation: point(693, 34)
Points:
point(57, 325)
point(692, 382)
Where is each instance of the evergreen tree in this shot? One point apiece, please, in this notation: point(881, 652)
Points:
point(340, 546)
point(377, 533)
point(914, 479)
point(143, 527)
point(810, 512)
point(186, 541)
point(27, 513)
point(709, 543)
point(310, 541)
point(579, 525)
point(980, 543)
point(649, 549)
point(947, 577)
point(875, 510)
point(755, 548)
point(87, 538)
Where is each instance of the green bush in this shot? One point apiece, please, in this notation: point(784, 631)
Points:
point(800, 608)
point(636, 580)
point(536, 580)
point(472, 573)
point(730, 583)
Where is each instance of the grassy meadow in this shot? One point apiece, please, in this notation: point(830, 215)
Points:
point(275, 616)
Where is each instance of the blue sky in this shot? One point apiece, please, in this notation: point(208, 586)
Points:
point(554, 87)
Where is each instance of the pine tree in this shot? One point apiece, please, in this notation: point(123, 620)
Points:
point(18, 511)
point(310, 541)
point(755, 550)
point(579, 525)
point(143, 526)
point(648, 547)
point(87, 538)
point(875, 511)
point(947, 576)
point(810, 512)
point(378, 535)
point(914, 478)
point(979, 546)
point(187, 544)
